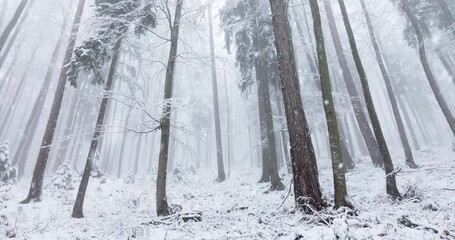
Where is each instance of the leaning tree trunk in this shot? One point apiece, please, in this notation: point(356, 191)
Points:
point(13, 37)
point(161, 200)
point(362, 120)
point(393, 101)
point(426, 67)
point(216, 109)
point(336, 150)
point(391, 184)
point(12, 23)
point(36, 187)
point(79, 204)
point(304, 166)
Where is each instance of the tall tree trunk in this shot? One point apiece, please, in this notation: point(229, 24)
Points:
point(36, 186)
point(426, 67)
point(216, 108)
point(336, 150)
point(393, 101)
point(161, 199)
point(362, 120)
point(12, 23)
point(79, 204)
point(391, 185)
point(264, 146)
point(304, 166)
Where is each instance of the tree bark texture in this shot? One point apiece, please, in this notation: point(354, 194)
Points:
point(304, 166)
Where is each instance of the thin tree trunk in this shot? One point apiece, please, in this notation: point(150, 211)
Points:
point(216, 108)
point(161, 199)
point(426, 67)
point(36, 187)
point(79, 204)
point(270, 134)
point(264, 147)
point(393, 101)
point(336, 150)
point(391, 185)
point(12, 23)
point(362, 120)
point(304, 166)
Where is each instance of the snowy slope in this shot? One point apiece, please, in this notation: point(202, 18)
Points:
point(239, 208)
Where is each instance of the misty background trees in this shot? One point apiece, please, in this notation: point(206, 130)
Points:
point(162, 87)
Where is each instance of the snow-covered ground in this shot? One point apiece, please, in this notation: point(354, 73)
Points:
point(240, 209)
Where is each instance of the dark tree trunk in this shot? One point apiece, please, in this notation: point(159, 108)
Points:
point(391, 185)
point(216, 108)
point(362, 120)
point(304, 166)
point(161, 199)
point(393, 101)
point(12, 23)
point(79, 204)
point(336, 150)
point(426, 67)
point(36, 187)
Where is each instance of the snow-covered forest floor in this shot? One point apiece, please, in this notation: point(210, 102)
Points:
point(239, 208)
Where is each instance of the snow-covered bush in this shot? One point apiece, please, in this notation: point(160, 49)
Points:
point(130, 178)
point(8, 173)
point(64, 177)
point(412, 191)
